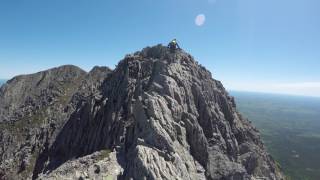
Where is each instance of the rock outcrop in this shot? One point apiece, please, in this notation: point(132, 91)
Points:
point(157, 115)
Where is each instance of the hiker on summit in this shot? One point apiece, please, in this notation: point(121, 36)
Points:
point(173, 45)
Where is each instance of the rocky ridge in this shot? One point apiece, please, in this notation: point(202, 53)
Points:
point(157, 115)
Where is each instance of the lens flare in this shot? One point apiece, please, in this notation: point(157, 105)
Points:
point(200, 20)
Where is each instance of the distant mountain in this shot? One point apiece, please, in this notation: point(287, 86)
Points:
point(158, 115)
point(290, 129)
point(2, 81)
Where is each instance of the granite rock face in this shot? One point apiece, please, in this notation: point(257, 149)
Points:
point(157, 115)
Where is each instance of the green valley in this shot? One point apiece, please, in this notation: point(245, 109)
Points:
point(290, 128)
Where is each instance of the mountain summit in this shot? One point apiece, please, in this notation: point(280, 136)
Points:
point(157, 115)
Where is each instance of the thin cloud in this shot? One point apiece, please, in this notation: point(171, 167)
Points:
point(301, 85)
point(212, 1)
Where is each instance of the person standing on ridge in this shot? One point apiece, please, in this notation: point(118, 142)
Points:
point(173, 45)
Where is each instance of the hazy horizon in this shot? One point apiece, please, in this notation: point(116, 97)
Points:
point(2, 81)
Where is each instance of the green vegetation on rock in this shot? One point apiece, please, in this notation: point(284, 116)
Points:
point(104, 154)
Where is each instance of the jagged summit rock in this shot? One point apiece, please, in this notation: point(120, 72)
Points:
point(157, 115)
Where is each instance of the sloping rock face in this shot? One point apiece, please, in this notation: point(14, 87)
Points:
point(33, 109)
point(159, 113)
point(98, 166)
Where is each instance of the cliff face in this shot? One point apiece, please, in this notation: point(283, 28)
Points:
point(158, 115)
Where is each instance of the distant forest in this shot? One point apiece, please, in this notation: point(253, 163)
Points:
point(289, 126)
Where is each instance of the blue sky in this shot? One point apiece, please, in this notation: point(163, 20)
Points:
point(267, 45)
